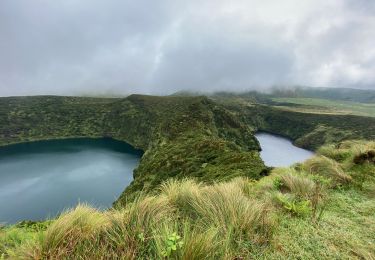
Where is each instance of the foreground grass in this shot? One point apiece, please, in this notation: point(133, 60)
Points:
point(323, 208)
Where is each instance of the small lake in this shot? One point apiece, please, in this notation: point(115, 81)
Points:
point(40, 179)
point(278, 151)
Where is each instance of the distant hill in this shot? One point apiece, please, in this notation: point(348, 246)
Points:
point(345, 94)
point(342, 94)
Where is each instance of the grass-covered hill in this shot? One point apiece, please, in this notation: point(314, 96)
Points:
point(180, 136)
point(323, 208)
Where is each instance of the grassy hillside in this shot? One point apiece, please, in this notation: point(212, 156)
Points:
point(323, 208)
point(180, 136)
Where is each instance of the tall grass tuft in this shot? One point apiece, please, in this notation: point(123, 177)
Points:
point(181, 193)
point(297, 184)
point(334, 152)
point(131, 230)
point(328, 168)
point(225, 206)
point(65, 235)
point(201, 244)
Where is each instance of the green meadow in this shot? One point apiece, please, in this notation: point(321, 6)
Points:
point(327, 106)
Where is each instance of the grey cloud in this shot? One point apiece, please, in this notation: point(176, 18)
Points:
point(97, 47)
point(218, 62)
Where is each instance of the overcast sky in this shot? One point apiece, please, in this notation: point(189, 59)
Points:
point(90, 47)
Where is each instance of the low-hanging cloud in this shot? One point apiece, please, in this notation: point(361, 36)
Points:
point(137, 46)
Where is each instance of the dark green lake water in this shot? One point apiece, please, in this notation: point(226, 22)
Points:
point(40, 179)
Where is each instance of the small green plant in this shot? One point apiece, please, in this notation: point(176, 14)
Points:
point(141, 237)
point(296, 207)
point(173, 242)
point(34, 225)
point(277, 183)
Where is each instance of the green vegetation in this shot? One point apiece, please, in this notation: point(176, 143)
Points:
point(180, 136)
point(308, 130)
point(342, 94)
point(310, 123)
point(323, 208)
point(315, 105)
point(198, 192)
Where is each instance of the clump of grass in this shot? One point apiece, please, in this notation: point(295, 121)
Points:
point(200, 245)
point(186, 220)
point(296, 192)
point(225, 206)
point(65, 235)
point(357, 151)
point(335, 152)
point(181, 193)
point(297, 184)
point(132, 229)
point(327, 168)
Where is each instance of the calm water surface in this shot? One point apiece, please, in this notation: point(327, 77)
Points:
point(278, 151)
point(40, 179)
